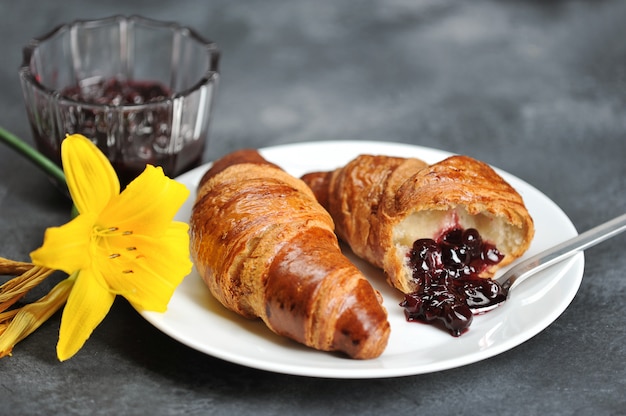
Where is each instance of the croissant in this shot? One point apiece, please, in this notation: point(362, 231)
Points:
point(382, 205)
point(267, 249)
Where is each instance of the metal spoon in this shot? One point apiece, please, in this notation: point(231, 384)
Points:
point(521, 271)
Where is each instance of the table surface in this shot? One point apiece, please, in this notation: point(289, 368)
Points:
point(535, 88)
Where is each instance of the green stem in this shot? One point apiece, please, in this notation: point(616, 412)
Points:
point(33, 155)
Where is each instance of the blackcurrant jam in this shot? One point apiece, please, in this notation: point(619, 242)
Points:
point(446, 272)
point(115, 92)
point(131, 133)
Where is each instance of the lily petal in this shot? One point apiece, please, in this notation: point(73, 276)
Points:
point(147, 205)
point(66, 247)
point(91, 179)
point(86, 307)
point(148, 275)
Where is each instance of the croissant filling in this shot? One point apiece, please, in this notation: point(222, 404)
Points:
point(445, 256)
point(432, 224)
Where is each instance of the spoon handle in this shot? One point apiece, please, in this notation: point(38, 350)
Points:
point(563, 251)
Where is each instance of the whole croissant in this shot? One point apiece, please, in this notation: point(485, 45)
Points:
point(381, 205)
point(266, 248)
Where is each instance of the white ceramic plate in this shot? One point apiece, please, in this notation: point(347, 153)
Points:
point(194, 318)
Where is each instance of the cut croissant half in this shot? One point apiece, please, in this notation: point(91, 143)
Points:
point(381, 205)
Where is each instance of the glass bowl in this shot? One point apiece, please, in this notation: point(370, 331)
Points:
point(140, 89)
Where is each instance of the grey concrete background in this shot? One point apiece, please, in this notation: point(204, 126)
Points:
point(537, 88)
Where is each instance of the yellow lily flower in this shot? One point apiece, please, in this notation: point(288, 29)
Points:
point(120, 243)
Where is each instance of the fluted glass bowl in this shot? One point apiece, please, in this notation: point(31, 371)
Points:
point(141, 89)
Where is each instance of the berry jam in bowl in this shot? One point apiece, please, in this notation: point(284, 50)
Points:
point(140, 89)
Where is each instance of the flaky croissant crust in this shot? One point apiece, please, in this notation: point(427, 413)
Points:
point(382, 204)
point(266, 248)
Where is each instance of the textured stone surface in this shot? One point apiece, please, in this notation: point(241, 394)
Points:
point(537, 88)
